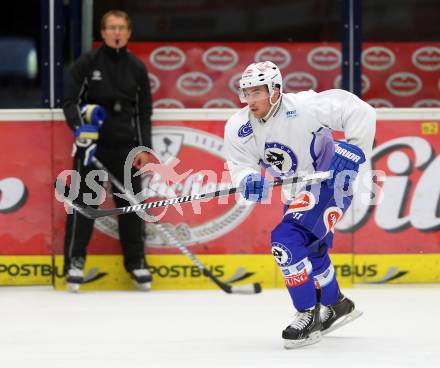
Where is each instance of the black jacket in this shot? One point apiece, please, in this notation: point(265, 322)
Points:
point(118, 81)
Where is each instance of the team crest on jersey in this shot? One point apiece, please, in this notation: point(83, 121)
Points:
point(279, 159)
point(245, 130)
point(96, 75)
point(281, 253)
point(331, 216)
point(304, 201)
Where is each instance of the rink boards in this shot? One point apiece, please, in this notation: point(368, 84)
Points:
point(394, 240)
point(172, 272)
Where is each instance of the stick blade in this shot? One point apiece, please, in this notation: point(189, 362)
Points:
point(247, 289)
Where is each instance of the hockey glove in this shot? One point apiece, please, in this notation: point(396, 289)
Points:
point(87, 131)
point(84, 150)
point(256, 187)
point(93, 115)
point(84, 147)
point(345, 165)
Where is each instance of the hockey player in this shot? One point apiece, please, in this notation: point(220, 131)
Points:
point(289, 134)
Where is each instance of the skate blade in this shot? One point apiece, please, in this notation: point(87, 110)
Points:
point(313, 338)
point(73, 288)
point(146, 286)
point(343, 321)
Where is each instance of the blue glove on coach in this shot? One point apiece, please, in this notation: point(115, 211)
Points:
point(87, 131)
point(347, 157)
point(84, 150)
point(84, 147)
point(93, 115)
point(256, 187)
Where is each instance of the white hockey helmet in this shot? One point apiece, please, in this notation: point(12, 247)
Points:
point(260, 74)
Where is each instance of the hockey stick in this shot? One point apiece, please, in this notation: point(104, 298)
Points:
point(230, 289)
point(93, 213)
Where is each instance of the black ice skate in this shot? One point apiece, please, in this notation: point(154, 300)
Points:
point(338, 315)
point(74, 279)
point(75, 274)
point(142, 278)
point(304, 330)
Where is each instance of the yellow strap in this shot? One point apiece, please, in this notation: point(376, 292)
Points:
point(91, 135)
point(89, 111)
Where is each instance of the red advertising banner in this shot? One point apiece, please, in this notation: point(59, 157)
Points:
point(25, 181)
point(401, 74)
point(406, 220)
point(196, 75)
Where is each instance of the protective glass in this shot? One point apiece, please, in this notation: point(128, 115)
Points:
point(253, 94)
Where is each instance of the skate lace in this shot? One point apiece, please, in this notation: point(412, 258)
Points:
point(302, 319)
point(325, 313)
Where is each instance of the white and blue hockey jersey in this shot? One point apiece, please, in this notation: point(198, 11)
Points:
point(297, 138)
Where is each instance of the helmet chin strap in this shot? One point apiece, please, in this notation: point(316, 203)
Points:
point(272, 107)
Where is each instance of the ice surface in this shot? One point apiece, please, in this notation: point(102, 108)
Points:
point(40, 327)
